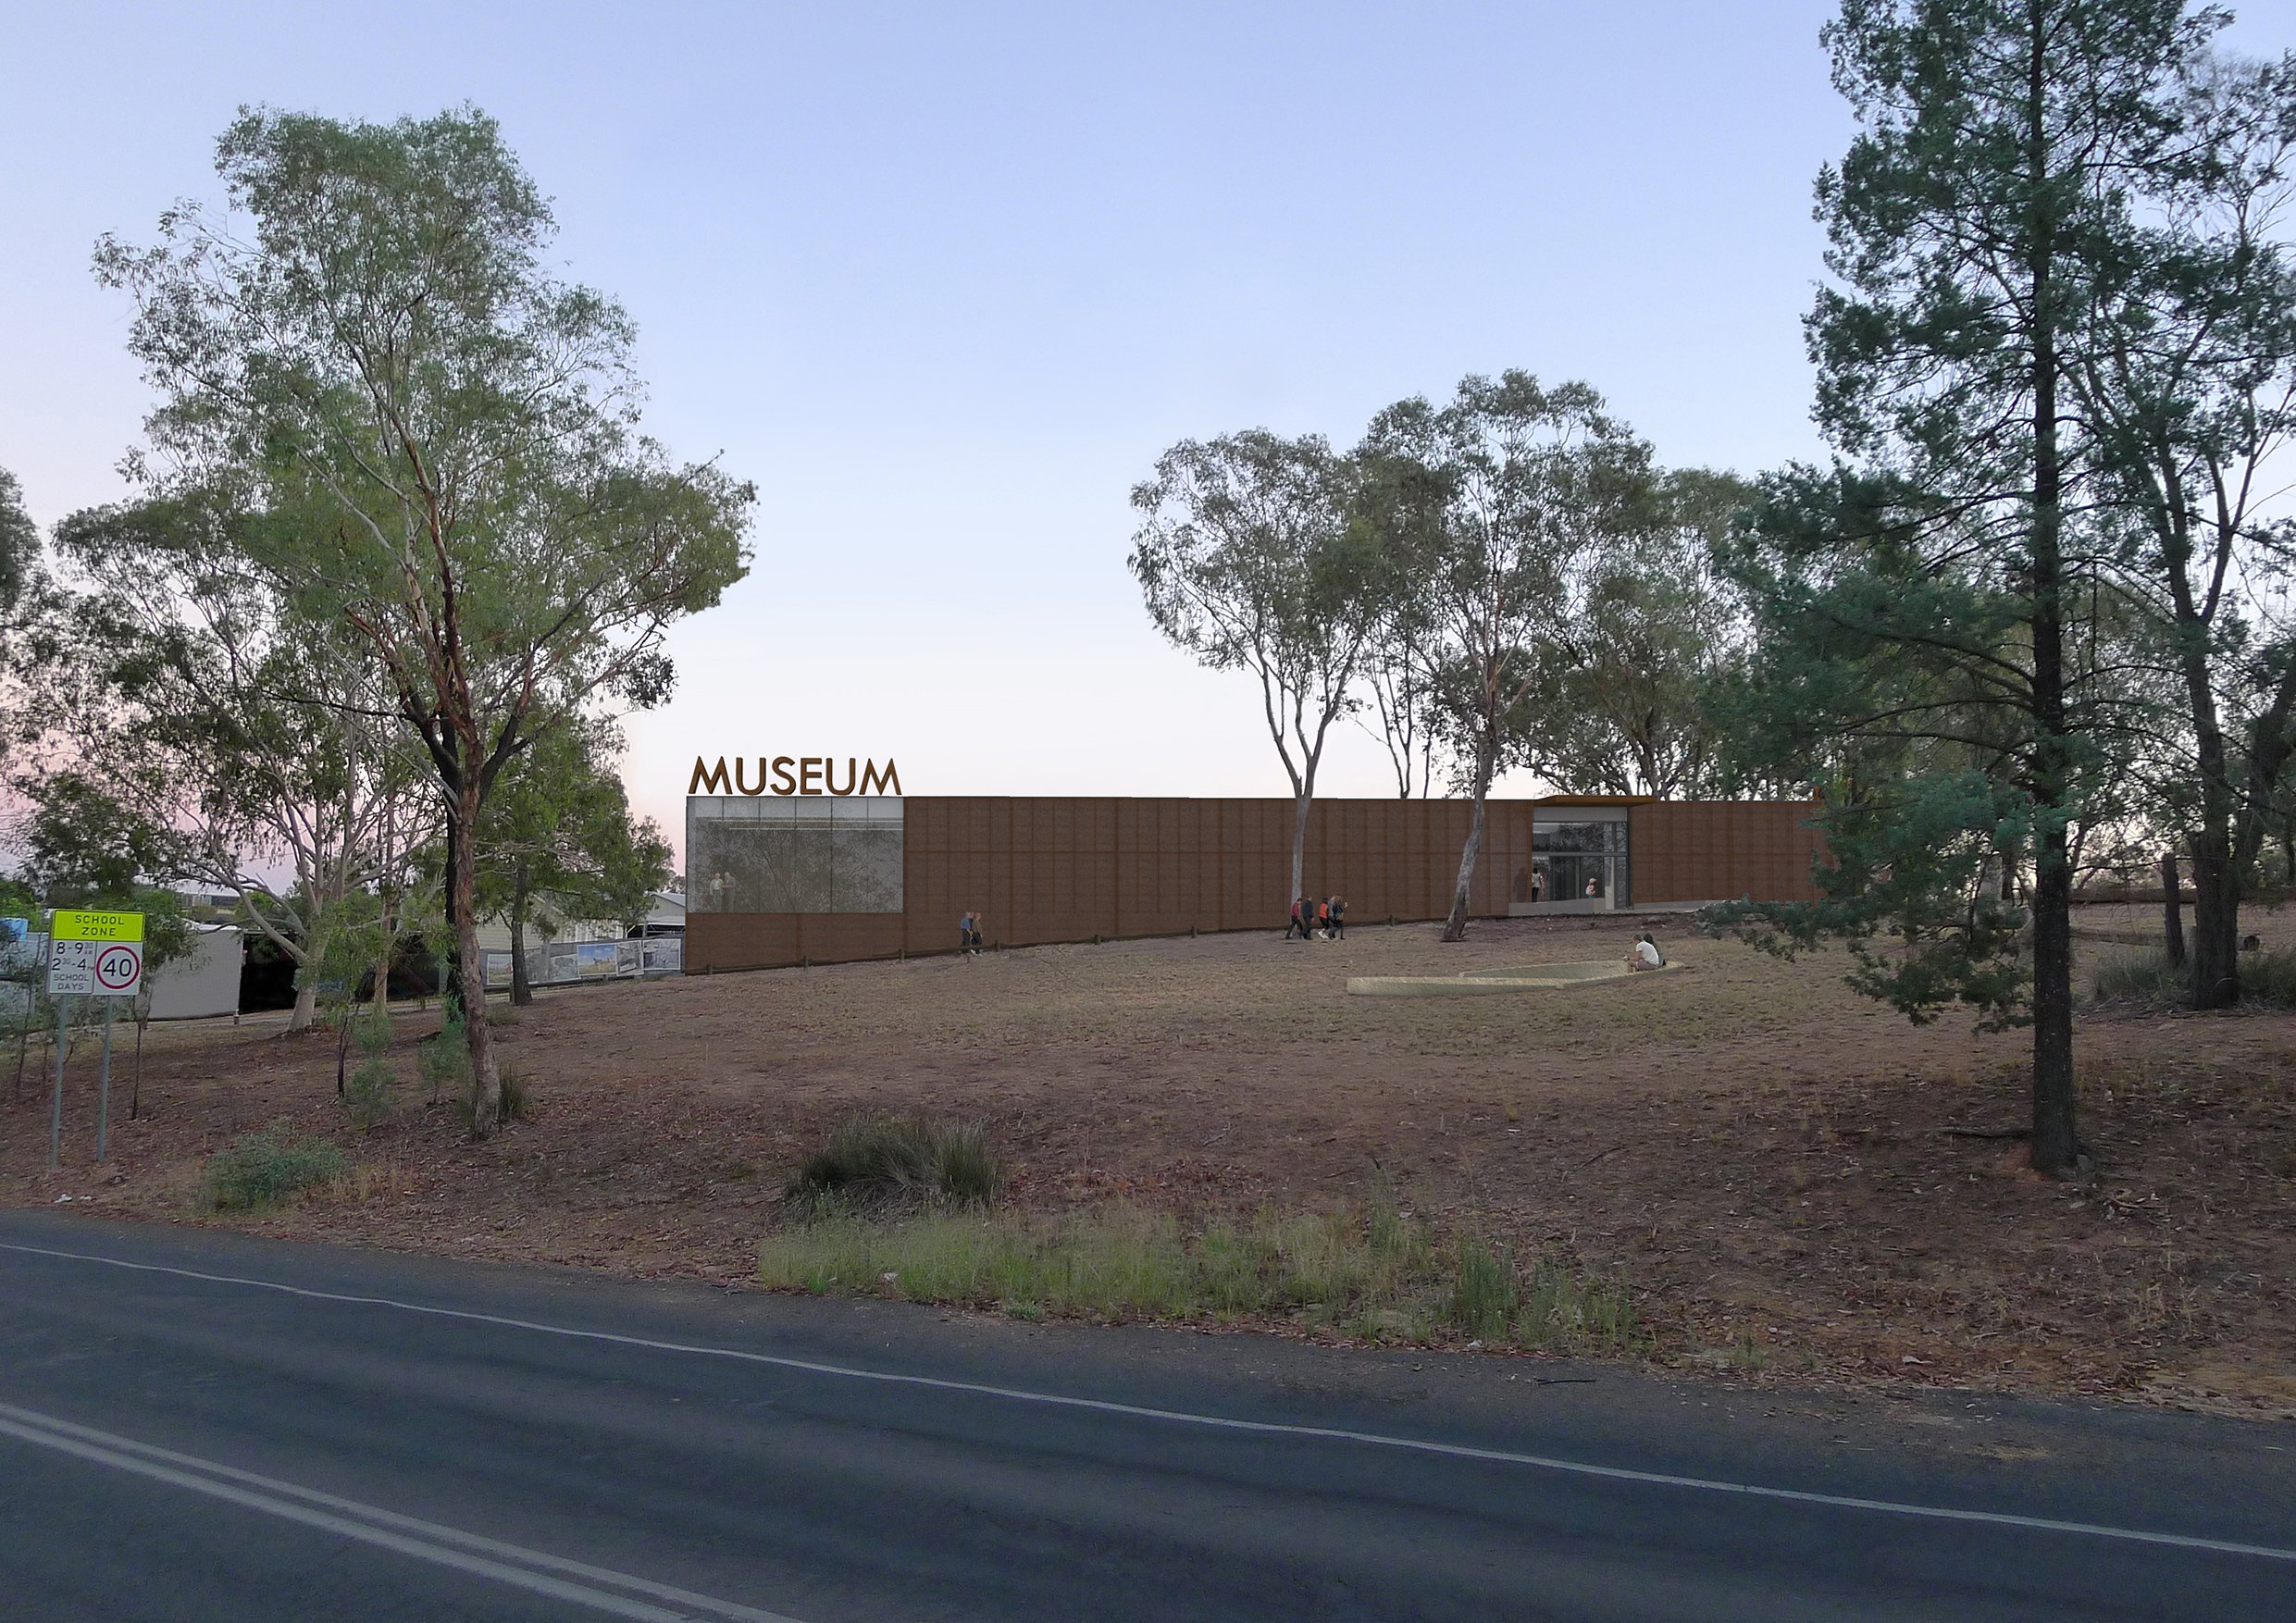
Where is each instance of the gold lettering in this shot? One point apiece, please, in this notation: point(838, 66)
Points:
point(702, 780)
point(872, 780)
point(808, 774)
point(851, 772)
point(783, 782)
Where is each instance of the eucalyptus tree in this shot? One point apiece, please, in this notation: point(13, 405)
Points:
point(446, 442)
point(1395, 668)
point(1943, 602)
point(252, 740)
point(1490, 504)
point(1248, 559)
point(2189, 394)
point(1634, 669)
point(558, 842)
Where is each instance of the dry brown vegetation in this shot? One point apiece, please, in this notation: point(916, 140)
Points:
point(1772, 1161)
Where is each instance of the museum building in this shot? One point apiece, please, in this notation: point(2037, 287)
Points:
point(780, 878)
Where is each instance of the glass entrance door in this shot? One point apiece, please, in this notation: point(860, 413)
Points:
point(1583, 861)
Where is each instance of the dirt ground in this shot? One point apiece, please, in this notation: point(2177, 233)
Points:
point(1772, 1161)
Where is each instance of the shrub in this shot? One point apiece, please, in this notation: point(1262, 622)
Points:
point(2268, 979)
point(258, 1169)
point(873, 1160)
point(445, 1057)
point(366, 1094)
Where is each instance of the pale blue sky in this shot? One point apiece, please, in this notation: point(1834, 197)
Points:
point(944, 279)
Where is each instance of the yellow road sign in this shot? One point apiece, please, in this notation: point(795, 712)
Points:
point(81, 924)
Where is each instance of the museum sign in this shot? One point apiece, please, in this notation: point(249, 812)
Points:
point(799, 774)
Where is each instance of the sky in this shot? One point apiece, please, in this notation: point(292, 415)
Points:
point(944, 281)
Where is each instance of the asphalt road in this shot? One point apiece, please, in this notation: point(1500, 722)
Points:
point(232, 1428)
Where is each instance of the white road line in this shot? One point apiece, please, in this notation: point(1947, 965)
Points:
point(371, 1525)
point(391, 1519)
point(1220, 1422)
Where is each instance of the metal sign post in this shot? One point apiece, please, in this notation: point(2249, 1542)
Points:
point(55, 1110)
point(103, 1089)
point(95, 955)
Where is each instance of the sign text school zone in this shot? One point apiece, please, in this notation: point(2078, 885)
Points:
point(802, 775)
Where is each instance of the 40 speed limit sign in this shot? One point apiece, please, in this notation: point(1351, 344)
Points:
point(95, 955)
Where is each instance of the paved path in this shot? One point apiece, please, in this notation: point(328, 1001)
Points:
point(244, 1429)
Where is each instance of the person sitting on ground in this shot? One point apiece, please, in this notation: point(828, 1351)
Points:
point(1645, 955)
point(1300, 921)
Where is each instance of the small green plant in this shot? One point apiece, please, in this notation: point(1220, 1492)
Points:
point(260, 1168)
point(445, 1059)
point(366, 1093)
point(876, 1160)
point(1376, 1274)
point(1484, 1290)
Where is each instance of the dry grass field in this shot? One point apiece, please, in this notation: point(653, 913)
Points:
point(1776, 1168)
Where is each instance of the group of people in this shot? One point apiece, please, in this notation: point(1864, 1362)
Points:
point(969, 934)
point(1327, 918)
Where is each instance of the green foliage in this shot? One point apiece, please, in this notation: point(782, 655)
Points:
point(260, 1168)
point(558, 834)
point(877, 1159)
point(436, 438)
point(1914, 889)
point(1488, 508)
point(445, 1057)
point(17, 900)
point(1378, 1274)
point(366, 1093)
point(19, 541)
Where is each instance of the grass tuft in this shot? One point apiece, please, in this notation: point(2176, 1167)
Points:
point(261, 1168)
point(881, 1161)
point(2268, 979)
point(1375, 1275)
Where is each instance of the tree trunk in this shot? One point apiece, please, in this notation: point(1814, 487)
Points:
point(2056, 1149)
point(521, 993)
point(1455, 926)
point(486, 1082)
point(306, 1000)
point(2215, 925)
point(2172, 910)
point(450, 961)
point(1300, 802)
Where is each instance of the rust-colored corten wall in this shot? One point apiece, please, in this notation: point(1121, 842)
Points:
point(1719, 850)
point(1069, 869)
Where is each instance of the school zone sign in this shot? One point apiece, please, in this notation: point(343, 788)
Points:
point(794, 774)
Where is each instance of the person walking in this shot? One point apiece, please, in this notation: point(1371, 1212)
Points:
point(1339, 918)
point(1300, 921)
point(969, 934)
point(1323, 918)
